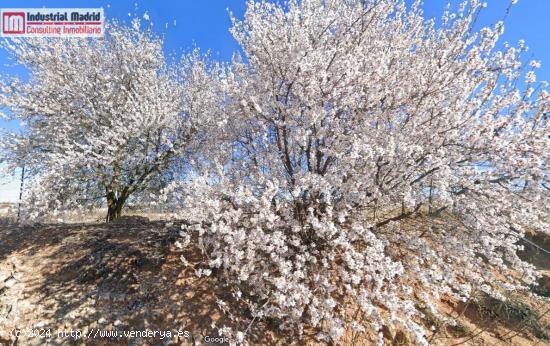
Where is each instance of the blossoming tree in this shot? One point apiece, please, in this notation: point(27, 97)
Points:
point(370, 161)
point(379, 162)
point(104, 118)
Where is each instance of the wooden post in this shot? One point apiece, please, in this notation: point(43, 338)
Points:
point(21, 192)
point(430, 198)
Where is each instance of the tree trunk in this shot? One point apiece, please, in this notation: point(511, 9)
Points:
point(114, 207)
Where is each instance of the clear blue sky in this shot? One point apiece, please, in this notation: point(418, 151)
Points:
point(205, 24)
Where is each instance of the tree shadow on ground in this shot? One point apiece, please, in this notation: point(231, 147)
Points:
point(31, 238)
point(123, 277)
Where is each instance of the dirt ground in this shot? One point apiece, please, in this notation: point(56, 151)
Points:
point(92, 278)
point(83, 278)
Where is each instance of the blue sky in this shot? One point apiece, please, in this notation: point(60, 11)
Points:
point(205, 24)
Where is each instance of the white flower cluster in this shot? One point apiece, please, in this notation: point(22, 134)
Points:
point(313, 270)
point(374, 163)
